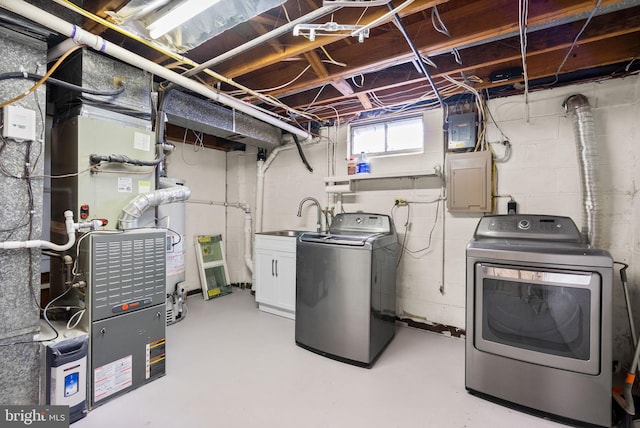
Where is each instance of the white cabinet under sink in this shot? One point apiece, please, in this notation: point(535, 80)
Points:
point(275, 274)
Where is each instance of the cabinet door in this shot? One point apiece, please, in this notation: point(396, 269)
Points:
point(266, 291)
point(286, 279)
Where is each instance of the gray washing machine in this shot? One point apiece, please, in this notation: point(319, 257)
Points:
point(346, 288)
point(539, 318)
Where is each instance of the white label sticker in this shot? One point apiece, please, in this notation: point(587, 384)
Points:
point(147, 368)
point(141, 141)
point(125, 185)
point(144, 186)
point(112, 377)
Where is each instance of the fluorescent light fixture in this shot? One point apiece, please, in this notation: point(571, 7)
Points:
point(177, 16)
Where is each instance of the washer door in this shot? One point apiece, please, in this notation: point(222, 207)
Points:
point(545, 317)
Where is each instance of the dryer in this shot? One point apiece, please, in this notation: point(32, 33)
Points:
point(539, 318)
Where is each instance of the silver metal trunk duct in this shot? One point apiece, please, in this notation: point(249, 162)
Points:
point(577, 106)
point(138, 205)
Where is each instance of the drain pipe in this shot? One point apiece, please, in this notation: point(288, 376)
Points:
point(262, 167)
point(81, 36)
point(248, 260)
point(260, 170)
point(577, 106)
point(141, 203)
point(37, 243)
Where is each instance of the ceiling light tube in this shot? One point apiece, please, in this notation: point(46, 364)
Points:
point(177, 16)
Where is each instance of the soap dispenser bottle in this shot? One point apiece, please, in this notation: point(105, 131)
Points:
point(363, 166)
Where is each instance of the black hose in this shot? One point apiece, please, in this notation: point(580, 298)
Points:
point(301, 153)
point(96, 159)
point(67, 85)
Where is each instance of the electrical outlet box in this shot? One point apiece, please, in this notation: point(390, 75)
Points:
point(18, 123)
point(400, 202)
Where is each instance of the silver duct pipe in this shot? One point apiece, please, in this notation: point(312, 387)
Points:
point(577, 106)
point(97, 43)
point(138, 205)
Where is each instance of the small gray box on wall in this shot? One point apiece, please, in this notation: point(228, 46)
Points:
point(462, 131)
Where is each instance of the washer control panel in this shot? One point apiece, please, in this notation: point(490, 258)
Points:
point(360, 223)
point(528, 226)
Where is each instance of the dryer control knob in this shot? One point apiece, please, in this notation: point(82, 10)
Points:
point(524, 224)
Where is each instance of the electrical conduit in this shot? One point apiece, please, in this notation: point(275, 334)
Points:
point(81, 36)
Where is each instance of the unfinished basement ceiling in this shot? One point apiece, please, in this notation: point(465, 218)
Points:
point(341, 77)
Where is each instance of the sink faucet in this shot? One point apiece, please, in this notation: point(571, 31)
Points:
point(315, 201)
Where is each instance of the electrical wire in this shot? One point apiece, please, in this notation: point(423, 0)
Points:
point(72, 174)
point(284, 85)
point(440, 28)
point(575, 41)
point(412, 253)
point(61, 83)
point(316, 97)
point(49, 323)
point(523, 12)
point(359, 85)
point(78, 314)
point(44, 78)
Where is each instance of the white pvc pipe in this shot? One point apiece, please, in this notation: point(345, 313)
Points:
point(259, 194)
point(71, 233)
point(81, 36)
point(262, 169)
point(248, 259)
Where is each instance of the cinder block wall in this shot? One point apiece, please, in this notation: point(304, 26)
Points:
point(20, 272)
point(542, 175)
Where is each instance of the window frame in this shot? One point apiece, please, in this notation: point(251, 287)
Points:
point(385, 123)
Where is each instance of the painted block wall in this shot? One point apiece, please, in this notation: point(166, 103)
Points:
point(542, 175)
point(204, 172)
point(20, 273)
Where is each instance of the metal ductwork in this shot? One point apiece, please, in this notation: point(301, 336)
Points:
point(201, 115)
point(577, 106)
point(138, 205)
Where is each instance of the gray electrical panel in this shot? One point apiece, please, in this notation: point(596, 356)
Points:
point(469, 182)
point(125, 300)
point(462, 131)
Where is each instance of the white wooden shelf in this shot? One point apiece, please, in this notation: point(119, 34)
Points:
point(347, 183)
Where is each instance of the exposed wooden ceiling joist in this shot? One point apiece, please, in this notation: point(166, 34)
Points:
point(347, 78)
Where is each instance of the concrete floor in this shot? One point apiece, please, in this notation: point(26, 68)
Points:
point(231, 365)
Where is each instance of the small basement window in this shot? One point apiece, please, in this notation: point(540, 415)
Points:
point(390, 137)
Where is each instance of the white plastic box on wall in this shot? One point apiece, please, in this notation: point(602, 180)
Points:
point(18, 123)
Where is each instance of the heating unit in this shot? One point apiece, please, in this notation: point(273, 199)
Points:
point(539, 318)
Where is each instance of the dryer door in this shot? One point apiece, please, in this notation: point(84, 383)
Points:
point(546, 317)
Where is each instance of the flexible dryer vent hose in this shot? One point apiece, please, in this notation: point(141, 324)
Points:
point(577, 106)
point(138, 205)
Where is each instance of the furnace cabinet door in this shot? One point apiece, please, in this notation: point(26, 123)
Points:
point(545, 317)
